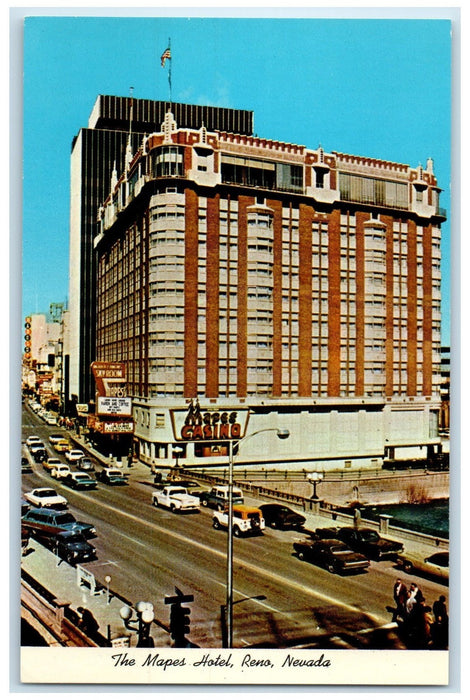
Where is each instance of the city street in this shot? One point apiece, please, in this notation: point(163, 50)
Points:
point(147, 551)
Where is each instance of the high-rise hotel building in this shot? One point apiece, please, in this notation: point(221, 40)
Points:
point(250, 281)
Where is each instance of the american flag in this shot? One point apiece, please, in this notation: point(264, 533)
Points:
point(166, 54)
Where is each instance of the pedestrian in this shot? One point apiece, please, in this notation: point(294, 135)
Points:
point(440, 610)
point(87, 623)
point(415, 596)
point(440, 628)
point(129, 459)
point(357, 518)
point(400, 595)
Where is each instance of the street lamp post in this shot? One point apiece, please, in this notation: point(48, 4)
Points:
point(107, 580)
point(145, 617)
point(177, 452)
point(223, 615)
point(315, 478)
point(282, 434)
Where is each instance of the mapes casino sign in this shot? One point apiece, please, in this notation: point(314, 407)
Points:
point(209, 424)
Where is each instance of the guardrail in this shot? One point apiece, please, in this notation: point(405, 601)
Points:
point(332, 475)
point(54, 615)
point(307, 505)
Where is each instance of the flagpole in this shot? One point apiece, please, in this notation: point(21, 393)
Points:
point(169, 69)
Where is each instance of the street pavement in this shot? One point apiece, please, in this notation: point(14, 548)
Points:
point(64, 582)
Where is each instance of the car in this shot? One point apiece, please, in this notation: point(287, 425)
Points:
point(62, 446)
point(86, 464)
point(74, 456)
point(369, 542)
point(32, 439)
point(217, 497)
point(176, 498)
point(51, 463)
point(60, 471)
point(111, 476)
point(80, 481)
point(47, 523)
point(26, 467)
point(277, 515)
point(46, 498)
point(72, 547)
point(38, 452)
point(245, 521)
point(55, 438)
point(434, 566)
point(50, 420)
point(333, 555)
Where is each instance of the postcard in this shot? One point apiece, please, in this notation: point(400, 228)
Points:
point(235, 359)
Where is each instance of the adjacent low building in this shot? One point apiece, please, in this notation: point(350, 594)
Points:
point(260, 284)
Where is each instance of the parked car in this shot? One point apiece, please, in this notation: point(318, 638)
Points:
point(60, 471)
point(74, 456)
point(51, 463)
point(73, 547)
point(333, 555)
point(277, 515)
point(246, 520)
point(86, 465)
point(369, 542)
point(46, 522)
point(55, 438)
point(434, 566)
point(80, 481)
point(217, 497)
point(46, 498)
point(112, 477)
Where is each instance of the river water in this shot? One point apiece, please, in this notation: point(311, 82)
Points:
point(430, 518)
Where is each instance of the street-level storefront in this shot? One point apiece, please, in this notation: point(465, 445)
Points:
point(324, 433)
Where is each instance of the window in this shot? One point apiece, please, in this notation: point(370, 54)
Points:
point(261, 173)
point(355, 188)
point(167, 161)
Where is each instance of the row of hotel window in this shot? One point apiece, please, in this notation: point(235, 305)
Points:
point(168, 161)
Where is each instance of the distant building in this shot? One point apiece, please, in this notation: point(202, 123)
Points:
point(444, 422)
point(42, 359)
point(250, 281)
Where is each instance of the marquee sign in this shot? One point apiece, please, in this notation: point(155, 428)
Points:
point(110, 378)
point(208, 424)
point(114, 406)
point(104, 426)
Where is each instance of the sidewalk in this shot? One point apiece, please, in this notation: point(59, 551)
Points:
point(65, 584)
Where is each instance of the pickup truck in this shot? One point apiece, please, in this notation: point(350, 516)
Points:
point(217, 497)
point(176, 498)
point(245, 521)
point(369, 542)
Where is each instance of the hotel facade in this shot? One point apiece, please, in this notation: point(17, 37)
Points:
point(249, 285)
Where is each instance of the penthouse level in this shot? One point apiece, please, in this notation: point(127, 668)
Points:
point(243, 161)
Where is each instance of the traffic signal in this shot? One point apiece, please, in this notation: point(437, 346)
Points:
point(179, 622)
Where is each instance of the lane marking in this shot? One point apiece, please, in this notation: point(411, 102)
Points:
point(301, 588)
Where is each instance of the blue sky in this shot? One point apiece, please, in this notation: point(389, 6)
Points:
point(378, 88)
